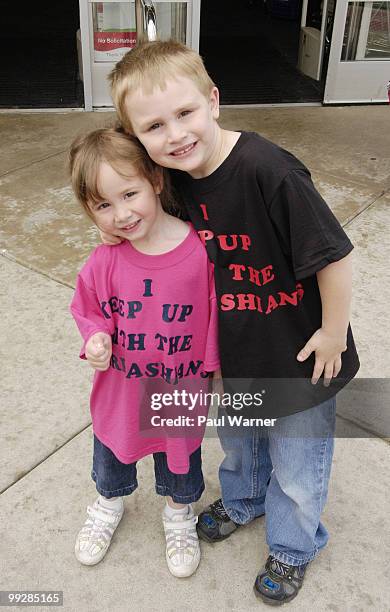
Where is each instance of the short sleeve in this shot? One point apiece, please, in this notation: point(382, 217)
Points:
point(211, 360)
point(87, 313)
point(309, 233)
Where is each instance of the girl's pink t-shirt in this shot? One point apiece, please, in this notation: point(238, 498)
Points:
point(161, 313)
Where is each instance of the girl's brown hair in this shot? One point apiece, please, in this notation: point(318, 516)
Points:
point(120, 151)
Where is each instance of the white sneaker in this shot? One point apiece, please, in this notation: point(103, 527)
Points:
point(95, 536)
point(182, 550)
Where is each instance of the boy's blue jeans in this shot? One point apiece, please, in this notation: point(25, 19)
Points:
point(282, 471)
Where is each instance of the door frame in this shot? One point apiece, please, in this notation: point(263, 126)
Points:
point(95, 74)
point(358, 81)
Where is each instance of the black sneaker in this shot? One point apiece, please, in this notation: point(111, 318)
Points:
point(214, 523)
point(278, 583)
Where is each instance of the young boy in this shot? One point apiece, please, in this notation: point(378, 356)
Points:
point(283, 281)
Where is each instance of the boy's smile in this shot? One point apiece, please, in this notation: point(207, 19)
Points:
point(177, 126)
point(183, 150)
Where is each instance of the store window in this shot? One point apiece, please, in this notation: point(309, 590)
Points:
point(367, 32)
point(114, 29)
point(172, 20)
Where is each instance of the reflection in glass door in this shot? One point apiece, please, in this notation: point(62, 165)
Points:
point(108, 31)
point(359, 63)
point(367, 31)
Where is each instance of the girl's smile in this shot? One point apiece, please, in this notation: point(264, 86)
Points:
point(130, 206)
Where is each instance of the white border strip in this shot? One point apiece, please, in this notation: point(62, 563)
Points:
point(111, 109)
point(275, 105)
point(63, 111)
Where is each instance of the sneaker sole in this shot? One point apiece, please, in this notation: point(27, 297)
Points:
point(96, 561)
point(185, 573)
point(92, 562)
point(273, 602)
point(203, 536)
point(206, 538)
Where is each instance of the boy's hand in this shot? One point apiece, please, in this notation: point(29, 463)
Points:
point(98, 351)
point(327, 349)
point(109, 238)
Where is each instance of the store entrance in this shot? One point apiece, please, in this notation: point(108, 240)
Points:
point(251, 50)
point(39, 67)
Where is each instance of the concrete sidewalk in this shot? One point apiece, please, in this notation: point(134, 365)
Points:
point(45, 424)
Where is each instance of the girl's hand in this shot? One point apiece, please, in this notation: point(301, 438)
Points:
point(109, 238)
point(327, 349)
point(98, 351)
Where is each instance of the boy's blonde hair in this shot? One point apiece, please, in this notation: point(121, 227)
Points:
point(149, 65)
point(123, 153)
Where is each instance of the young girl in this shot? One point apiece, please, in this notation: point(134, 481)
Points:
point(146, 312)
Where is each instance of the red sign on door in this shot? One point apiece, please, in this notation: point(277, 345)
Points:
point(111, 46)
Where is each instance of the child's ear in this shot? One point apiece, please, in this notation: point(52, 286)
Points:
point(119, 127)
point(158, 181)
point(214, 102)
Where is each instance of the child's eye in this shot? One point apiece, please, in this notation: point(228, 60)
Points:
point(155, 126)
point(185, 113)
point(129, 194)
point(102, 206)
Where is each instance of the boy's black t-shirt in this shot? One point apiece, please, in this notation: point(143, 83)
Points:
point(268, 231)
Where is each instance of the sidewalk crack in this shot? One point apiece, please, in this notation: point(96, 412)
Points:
point(23, 474)
point(7, 255)
point(32, 163)
point(365, 208)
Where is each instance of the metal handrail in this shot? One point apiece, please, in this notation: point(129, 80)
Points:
point(145, 20)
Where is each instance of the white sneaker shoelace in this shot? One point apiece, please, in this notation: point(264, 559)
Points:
point(182, 544)
point(95, 536)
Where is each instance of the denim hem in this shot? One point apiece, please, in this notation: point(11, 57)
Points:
point(180, 499)
point(117, 492)
point(234, 516)
point(285, 558)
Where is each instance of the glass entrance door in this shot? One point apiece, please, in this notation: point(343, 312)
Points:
point(108, 31)
point(359, 61)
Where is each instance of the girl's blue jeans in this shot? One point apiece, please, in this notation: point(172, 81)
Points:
point(282, 471)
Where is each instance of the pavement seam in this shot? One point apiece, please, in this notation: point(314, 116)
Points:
point(10, 257)
point(365, 208)
point(37, 161)
point(372, 432)
point(4, 253)
point(26, 473)
point(354, 182)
